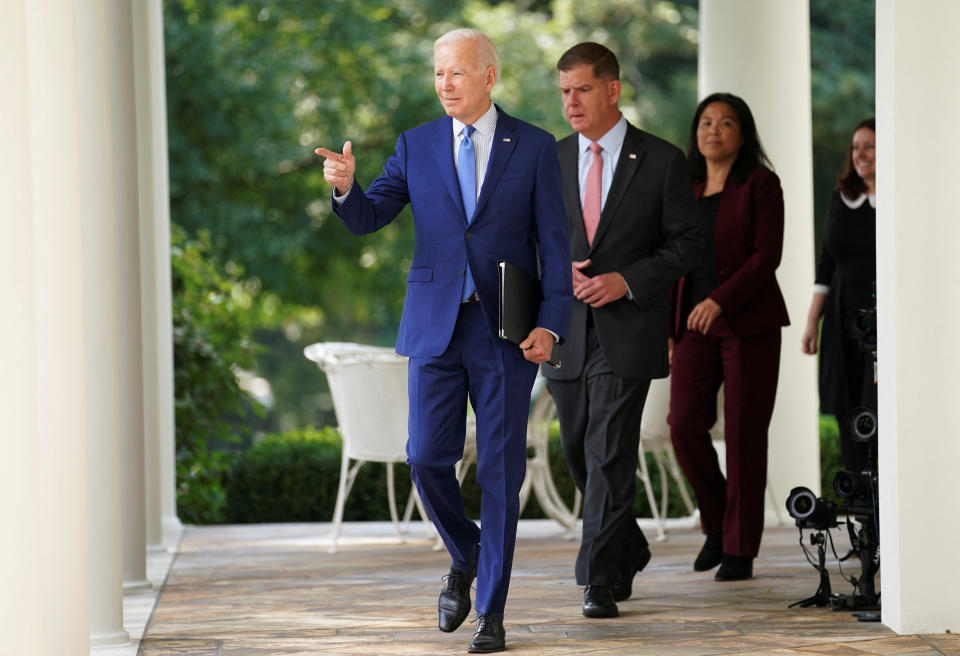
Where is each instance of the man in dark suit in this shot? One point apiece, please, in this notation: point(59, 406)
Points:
point(634, 230)
point(483, 187)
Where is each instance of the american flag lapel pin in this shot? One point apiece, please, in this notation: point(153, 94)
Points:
point(506, 139)
point(633, 156)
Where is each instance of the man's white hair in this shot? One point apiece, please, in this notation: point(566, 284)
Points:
point(486, 51)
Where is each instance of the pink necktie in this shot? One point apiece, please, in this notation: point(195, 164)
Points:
point(593, 193)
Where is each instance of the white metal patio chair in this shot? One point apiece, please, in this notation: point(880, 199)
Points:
point(539, 480)
point(368, 385)
point(655, 439)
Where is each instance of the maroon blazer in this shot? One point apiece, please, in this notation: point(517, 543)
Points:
point(747, 246)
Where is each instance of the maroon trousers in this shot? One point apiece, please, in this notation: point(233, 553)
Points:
point(748, 368)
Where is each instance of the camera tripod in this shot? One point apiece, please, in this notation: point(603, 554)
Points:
point(865, 597)
point(822, 596)
point(864, 543)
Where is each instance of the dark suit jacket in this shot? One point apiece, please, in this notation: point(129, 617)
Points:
point(517, 218)
point(650, 233)
point(747, 246)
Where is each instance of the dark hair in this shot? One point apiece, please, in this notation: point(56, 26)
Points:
point(849, 183)
point(604, 62)
point(751, 154)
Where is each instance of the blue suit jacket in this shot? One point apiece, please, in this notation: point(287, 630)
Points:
point(519, 218)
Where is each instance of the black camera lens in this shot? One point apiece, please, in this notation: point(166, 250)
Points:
point(861, 323)
point(803, 505)
point(863, 425)
point(844, 484)
point(811, 511)
point(850, 485)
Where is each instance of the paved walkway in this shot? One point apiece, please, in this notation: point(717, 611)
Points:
point(273, 589)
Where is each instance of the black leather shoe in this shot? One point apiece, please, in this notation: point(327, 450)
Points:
point(710, 554)
point(734, 568)
point(598, 602)
point(623, 588)
point(489, 636)
point(453, 606)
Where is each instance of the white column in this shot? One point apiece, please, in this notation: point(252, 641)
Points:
point(43, 474)
point(128, 348)
point(760, 50)
point(918, 233)
point(163, 526)
point(109, 395)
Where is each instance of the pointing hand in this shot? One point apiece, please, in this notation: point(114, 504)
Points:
point(338, 169)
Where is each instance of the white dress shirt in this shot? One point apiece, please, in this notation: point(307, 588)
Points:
point(612, 144)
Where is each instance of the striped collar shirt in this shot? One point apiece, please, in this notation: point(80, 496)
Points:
point(485, 126)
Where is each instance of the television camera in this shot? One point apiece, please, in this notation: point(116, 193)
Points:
point(858, 492)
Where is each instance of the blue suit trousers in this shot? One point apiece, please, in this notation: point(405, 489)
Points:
point(497, 380)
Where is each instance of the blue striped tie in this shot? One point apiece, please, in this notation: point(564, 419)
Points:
point(467, 174)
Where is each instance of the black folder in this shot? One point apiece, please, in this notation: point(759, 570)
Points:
point(520, 296)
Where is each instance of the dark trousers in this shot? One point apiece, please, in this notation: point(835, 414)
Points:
point(748, 368)
point(599, 416)
point(498, 382)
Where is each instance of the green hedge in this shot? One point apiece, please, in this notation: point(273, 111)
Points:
point(293, 477)
point(831, 460)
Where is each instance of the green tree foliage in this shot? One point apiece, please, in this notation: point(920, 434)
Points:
point(209, 341)
point(254, 87)
point(842, 44)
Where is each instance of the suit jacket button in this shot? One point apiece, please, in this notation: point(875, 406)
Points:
point(463, 272)
point(468, 235)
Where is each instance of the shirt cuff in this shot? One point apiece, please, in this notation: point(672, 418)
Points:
point(821, 289)
point(556, 337)
point(339, 199)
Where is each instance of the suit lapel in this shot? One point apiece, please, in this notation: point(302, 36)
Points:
point(443, 148)
point(631, 154)
point(568, 152)
point(504, 141)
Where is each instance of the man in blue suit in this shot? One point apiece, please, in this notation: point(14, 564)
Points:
point(483, 187)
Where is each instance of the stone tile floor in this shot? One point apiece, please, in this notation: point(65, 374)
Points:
point(261, 590)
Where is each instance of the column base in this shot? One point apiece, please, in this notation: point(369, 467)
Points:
point(172, 530)
point(137, 586)
point(109, 638)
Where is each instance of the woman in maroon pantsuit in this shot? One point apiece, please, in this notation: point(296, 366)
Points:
point(728, 312)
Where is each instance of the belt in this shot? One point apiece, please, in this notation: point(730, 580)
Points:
point(473, 297)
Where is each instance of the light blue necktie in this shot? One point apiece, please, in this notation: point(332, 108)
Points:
point(467, 174)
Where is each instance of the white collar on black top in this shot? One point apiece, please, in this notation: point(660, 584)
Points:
point(858, 201)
